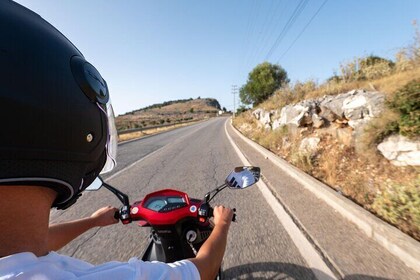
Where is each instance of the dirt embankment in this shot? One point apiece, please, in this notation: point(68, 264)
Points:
point(170, 112)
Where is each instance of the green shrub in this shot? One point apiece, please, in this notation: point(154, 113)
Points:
point(303, 160)
point(373, 67)
point(406, 101)
point(365, 68)
point(378, 129)
point(400, 205)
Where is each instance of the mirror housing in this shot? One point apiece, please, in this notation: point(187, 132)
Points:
point(243, 177)
point(96, 185)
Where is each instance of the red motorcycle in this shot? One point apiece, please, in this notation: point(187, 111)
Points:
point(179, 224)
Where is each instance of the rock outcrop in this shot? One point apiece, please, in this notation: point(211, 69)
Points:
point(309, 144)
point(343, 116)
point(263, 117)
point(400, 150)
point(354, 108)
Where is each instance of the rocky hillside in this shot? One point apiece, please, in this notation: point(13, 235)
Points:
point(169, 112)
point(364, 144)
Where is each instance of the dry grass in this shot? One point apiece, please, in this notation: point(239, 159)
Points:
point(308, 90)
point(387, 85)
point(274, 140)
point(132, 135)
point(329, 160)
point(390, 84)
point(289, 94)
point(248, 125)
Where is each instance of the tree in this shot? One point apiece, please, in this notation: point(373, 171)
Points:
point(262, 82)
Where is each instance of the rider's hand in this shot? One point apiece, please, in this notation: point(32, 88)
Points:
point(222, 215)
point(104, 216)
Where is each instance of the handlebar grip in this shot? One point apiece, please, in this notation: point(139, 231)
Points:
point(233, 218)
point(209, 212)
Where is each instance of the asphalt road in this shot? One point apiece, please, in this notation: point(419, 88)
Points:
point(196, 159)
point(193, 159)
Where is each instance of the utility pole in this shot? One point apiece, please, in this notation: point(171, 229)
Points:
point(234, 90)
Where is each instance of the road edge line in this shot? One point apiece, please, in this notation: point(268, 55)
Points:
point(404, 247)
point(307, 251)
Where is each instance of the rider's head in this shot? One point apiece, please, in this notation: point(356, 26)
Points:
point(57, 128)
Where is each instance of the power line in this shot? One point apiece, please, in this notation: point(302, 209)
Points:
point(296, 13)
point(260, 34)
point(264, 41)
point(303, 30)
point(252, 31)
point(247, 33)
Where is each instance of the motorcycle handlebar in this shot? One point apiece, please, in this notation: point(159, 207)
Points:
point(117, 215)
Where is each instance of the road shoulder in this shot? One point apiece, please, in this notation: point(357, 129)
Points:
point(347, 247)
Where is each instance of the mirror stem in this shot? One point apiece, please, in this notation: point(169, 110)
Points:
point(121, 196)
point(207, 197)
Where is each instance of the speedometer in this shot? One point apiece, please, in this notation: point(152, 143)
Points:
point(156, 204)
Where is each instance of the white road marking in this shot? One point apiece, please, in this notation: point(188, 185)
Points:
point(308, 252)
point(150, 154)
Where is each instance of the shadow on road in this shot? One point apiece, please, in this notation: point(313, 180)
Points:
point(276, 270)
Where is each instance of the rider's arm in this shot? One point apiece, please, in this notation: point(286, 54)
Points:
point(61, 234)
point(210, 255)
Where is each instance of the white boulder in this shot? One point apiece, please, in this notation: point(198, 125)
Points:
point(309, 144)
point(263, 117)
point(400, 150)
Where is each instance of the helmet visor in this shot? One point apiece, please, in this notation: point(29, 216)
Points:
point(111, 145)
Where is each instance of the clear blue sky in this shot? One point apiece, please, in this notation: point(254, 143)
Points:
point(155, 51)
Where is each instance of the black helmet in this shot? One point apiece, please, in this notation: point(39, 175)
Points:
point(57, 128)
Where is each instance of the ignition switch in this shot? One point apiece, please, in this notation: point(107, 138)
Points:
point(191, 236)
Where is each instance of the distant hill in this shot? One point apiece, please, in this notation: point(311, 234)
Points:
point(169, 112)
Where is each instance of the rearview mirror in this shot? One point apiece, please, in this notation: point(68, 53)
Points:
point(96, 185)
point(243, 177)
